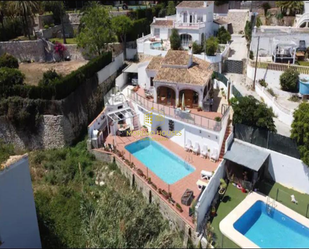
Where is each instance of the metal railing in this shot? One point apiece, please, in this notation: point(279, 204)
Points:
point(177, 114)
point(189, 25)
point(279, 66)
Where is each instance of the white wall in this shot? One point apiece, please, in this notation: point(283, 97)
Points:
point(111, 68)
point(142, 74)
point(18, 218)
point(130, 53)
point(284, 115)
point(289, 171)
point(208, 195)
point(121, 80)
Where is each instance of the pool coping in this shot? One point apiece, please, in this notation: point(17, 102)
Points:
point(228, 230)
point(166, 148)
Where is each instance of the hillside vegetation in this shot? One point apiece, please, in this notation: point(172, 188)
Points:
point(75, 212)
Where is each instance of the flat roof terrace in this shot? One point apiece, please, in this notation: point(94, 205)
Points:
point(178, 188)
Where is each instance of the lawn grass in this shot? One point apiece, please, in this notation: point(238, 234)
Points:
point(234, 196)
point(304, 63)
point(284, 196)
point(60, 40)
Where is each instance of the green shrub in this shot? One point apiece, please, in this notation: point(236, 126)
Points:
point(294, 98)
point(223, 36)
point(7, 60)
point(289, 80)
point(196, 48)
point(251, 55)
point(46, 26)
point(263, 83)
point(12, 28)
point(271, 92)
point(10, 77)
point(52, 25)
point(211, 46)
point(49, 77)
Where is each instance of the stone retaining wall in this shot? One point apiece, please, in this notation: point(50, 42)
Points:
point(175, 220)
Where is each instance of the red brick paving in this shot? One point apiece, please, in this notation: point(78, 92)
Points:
point(177, 189)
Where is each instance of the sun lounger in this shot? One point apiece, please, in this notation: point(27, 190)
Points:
point(293, 199)
point(188, 146)
point(206, 174)
point(214, 155)
point(196, 149)
point(200, 184)
point(204, 151)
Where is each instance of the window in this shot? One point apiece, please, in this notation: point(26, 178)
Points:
point(200, 19)
point(151, 81)
point(185, 40)
point(185, 17)
point(157, 32)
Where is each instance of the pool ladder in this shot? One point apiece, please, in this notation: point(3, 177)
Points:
point(270, 204)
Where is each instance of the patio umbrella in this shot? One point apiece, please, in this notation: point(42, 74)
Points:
point(183, 101)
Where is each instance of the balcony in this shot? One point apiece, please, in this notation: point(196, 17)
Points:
point(181, 25)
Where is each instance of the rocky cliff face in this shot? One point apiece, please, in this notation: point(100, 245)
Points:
point(61, 127)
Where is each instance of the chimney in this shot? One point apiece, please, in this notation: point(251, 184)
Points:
point(190, 56)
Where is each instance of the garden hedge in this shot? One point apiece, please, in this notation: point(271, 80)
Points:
point(61, 88)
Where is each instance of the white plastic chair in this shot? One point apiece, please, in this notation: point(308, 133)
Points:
point(214, 155)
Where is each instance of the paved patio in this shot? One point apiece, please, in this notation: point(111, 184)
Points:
point(177, 189)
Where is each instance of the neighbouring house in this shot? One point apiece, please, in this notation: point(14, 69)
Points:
point(18, 219)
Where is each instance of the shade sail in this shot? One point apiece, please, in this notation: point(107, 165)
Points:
point(246, 155)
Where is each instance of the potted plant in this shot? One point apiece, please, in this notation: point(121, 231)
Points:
point(154, 186)
point(179, 208)
point(213, 211)
point(149, 180)
point(165, 194)
point(217, 119)
point(223, 186)
point(160, 191)
point(199, 109)
point(140, 172)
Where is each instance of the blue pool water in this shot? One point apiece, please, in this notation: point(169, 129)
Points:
point(166, 165)
point(274, 230)
point(156, 45)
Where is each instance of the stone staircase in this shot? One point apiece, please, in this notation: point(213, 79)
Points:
point(238, 19)
point(227, 133)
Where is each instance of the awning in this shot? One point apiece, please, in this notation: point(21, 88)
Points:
point(133, 68)
point(246, 155)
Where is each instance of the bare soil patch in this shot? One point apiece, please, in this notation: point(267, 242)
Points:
point(34, 71)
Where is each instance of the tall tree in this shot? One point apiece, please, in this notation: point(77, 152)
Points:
point(175, 40)
point(171, 9)
point(300, 131)
point(3, 11)
point(290, 7)
point(122, 25)
point(58, 10)
point(24, 9)
point(249, 111)
point(95, 29)
point(211, 46)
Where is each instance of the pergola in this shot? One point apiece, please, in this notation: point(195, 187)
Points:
point(120, 115)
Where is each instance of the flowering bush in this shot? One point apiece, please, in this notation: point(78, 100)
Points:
point(59, 49)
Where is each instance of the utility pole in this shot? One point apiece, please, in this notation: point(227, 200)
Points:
point(256, 60)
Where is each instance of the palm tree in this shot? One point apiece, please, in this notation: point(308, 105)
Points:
point(290, 6)
point(24, 9)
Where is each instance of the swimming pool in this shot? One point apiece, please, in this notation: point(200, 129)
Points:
point(272, 229)
point(252, 225)
point(156, 45)
point(166, 165)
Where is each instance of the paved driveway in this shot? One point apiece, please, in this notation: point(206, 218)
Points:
point(238, 47)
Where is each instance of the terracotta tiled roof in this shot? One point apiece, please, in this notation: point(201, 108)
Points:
point(155, 63)
point(197, 74)
point(193, 4)
point(220, 21)
point(167, 23)
point(176, 57)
